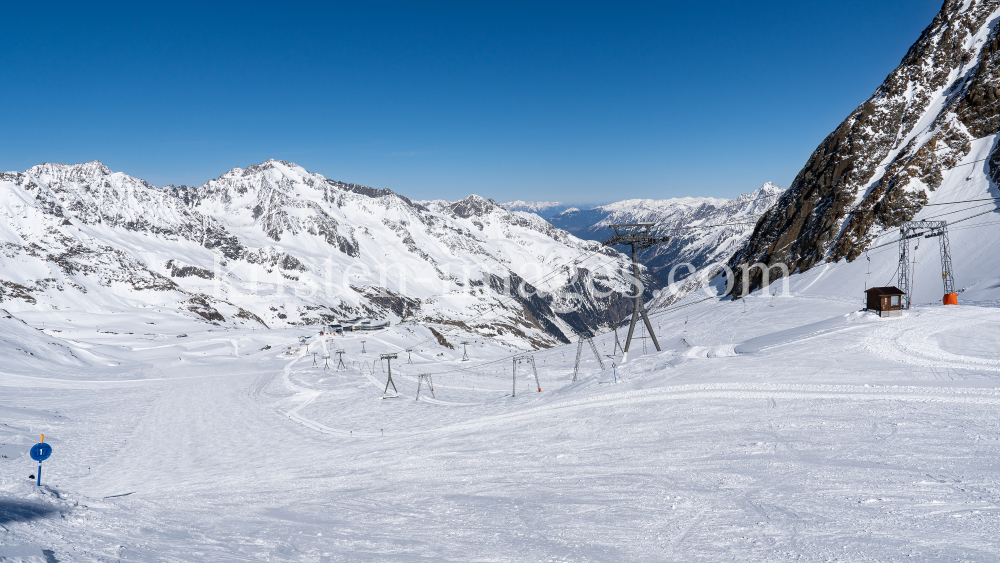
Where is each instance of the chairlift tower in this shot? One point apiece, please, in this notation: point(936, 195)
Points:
point(420, 381)
point(926, 229)
point(465, 351)
point(640, 237)
point(409, 359)
point(363, 351)
point(389, 358)
point(340, 360)
point(579, 350)
point(527, 360)
point(326, 362)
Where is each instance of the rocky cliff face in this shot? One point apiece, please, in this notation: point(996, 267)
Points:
point(878, 167)
point(275, 244)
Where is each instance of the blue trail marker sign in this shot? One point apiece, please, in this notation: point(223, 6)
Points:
point(40, 452)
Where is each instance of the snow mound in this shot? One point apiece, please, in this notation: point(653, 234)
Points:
point(26, 349)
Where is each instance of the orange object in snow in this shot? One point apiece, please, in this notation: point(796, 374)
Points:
point(951, 299)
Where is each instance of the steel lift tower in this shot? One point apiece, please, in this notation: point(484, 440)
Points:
point(420, 381)
point(579, 351)
point(534, 370)
point(638, 235)
point(926, 229)
point(389, 381)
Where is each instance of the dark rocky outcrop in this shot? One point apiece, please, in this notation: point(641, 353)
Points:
point(183, 271)
point(876, 169)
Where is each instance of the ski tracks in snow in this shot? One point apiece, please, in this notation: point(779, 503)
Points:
point(304, 396)
point(955, 340)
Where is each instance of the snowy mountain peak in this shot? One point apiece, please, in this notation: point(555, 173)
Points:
point(544, 209)
point(475, 205)
point(760, 199)
point(56, 172)
point(271, 174)
point(276, 170)
point(767, 190)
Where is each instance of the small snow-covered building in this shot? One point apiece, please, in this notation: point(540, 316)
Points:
point(886, 301)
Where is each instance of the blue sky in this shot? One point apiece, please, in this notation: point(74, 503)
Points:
point(579, 102)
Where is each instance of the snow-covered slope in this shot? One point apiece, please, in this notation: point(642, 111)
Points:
point(27, 349)
point(274, 244)
point(805, 430)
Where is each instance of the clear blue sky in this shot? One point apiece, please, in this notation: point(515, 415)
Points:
point(578, 102)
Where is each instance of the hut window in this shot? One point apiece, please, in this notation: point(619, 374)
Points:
point(895, 301)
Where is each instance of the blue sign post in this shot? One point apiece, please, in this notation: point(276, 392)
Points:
point(40, 452)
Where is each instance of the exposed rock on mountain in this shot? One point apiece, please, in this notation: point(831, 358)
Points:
point(878, 167)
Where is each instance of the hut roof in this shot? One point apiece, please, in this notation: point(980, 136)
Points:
point(890, 290)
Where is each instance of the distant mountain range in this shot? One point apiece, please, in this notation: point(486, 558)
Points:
point(702, 230)
point(275, 245)
point(543, 209)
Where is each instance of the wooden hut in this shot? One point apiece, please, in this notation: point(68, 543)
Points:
point(886, 301)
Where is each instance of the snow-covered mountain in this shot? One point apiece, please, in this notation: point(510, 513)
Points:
point(436, 205)
point(274, 245)
point(544, 209)
point(702, 230)
point(926, 136)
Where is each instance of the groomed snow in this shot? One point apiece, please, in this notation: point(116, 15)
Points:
point(806, 429)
